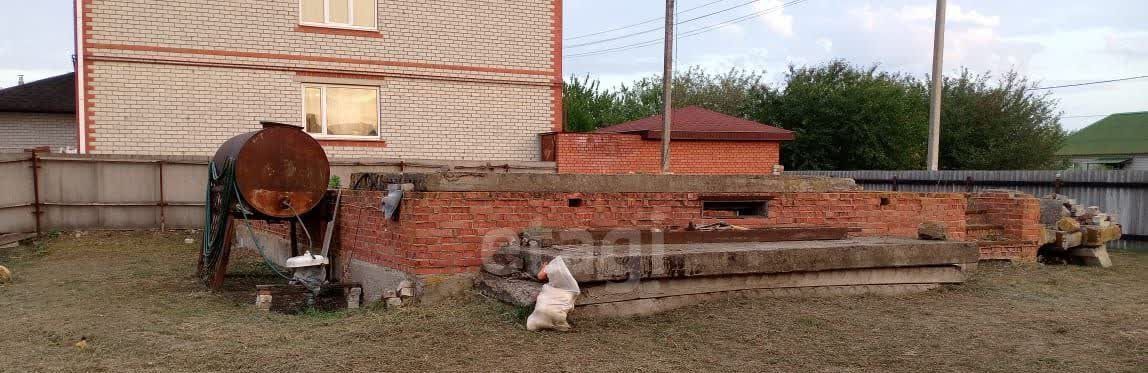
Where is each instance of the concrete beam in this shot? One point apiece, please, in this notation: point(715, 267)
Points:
point(617, 263)
point(660, 288)
point(633, 183)
point(643, 307)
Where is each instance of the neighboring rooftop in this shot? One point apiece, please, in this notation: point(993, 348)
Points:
point(51, 95)
point(697, 123)
point(1116, 134)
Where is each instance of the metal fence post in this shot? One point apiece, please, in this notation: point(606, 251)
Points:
point(37, 208)
point(162, 201)
point(895, 187)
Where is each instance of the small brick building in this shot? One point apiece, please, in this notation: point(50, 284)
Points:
point(702, 142)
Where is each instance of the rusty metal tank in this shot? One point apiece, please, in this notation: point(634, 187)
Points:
point(280, 170)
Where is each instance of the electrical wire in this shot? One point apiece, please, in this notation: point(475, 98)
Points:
point(1088, 83)
point(651, 20)
point(693, 32)
point(662, 27)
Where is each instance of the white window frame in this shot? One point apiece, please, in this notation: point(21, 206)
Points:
point(323, 111)
point(350, 25)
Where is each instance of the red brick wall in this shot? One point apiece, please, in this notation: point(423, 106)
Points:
point(595, 153)
point(1016, 216)
point(448, 232)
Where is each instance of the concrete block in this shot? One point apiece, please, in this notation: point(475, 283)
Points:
point(1098, 236)
point(376, 279)
point(1068, 225)
point(618, 263)
point(1092, 256)
point(1051, 210)
point(518, 292)
point(659, 288)
point(587, 183)
point(642, 307)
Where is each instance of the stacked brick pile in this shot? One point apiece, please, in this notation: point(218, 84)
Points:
point(1076, 234)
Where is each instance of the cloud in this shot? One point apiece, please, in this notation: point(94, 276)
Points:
point(903, 37)
point(825, 44)
point(954, 14)
point(1131, 44)
point(775, 19)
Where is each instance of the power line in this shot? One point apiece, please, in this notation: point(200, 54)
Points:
point(651, 20)
point(659, 28)
point(1085, 116)
point(1089, 83)
point(693, 32)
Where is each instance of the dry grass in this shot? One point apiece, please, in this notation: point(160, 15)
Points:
point(133, 297)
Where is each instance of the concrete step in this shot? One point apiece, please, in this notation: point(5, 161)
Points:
point(639, 280)
point(591, 264)
point(643, 307)
point(659, 288)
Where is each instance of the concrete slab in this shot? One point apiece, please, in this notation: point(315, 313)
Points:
point(659, 288)
point(642, 307)
point(616, 263)
point(515, 182)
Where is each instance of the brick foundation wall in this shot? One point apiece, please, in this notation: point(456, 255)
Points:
point(1010, 222)
point(19, 131)
point(594, 153)
point(448, 232)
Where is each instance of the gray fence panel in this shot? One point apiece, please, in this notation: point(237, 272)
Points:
point(123, 192)
point(1121, 193)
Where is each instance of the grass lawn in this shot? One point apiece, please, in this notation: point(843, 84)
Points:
point(133, 296)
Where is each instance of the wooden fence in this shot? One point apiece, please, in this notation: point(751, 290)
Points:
point(42, 192)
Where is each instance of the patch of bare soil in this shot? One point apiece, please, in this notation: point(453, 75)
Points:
point(133, 296)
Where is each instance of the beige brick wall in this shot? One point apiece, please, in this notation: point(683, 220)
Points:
point(140, 108)
point(471, 80)
point(19, 131)
point(494, 33)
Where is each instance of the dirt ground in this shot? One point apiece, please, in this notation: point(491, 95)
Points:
point(132, 295)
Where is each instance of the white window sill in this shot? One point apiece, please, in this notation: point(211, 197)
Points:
point(339, 26)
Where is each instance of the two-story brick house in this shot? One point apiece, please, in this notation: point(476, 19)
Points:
point(429, 79)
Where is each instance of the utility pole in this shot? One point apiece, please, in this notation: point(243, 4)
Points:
point(938, 83)
point(667, 86)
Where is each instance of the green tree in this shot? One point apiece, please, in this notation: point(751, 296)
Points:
point(847, 118)
point(1001, 125)
point(589, 107)
point(586, 106)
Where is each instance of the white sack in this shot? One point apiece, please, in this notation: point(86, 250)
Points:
point(555, 300)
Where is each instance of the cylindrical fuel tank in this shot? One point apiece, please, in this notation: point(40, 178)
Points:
point(280, 170)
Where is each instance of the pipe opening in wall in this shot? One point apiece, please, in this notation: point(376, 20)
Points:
point(574, 202)
point(885, 201)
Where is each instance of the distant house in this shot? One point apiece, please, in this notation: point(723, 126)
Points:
point(1117, 142)
point(702, 142)
point(40, 113)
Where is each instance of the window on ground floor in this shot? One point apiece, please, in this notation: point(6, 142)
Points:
point(341, 111)
point(356, 14)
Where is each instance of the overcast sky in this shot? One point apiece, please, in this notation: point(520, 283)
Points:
point(1053, 41)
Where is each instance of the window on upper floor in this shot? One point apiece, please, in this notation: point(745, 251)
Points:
point(341, 111)
point(354, 14)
